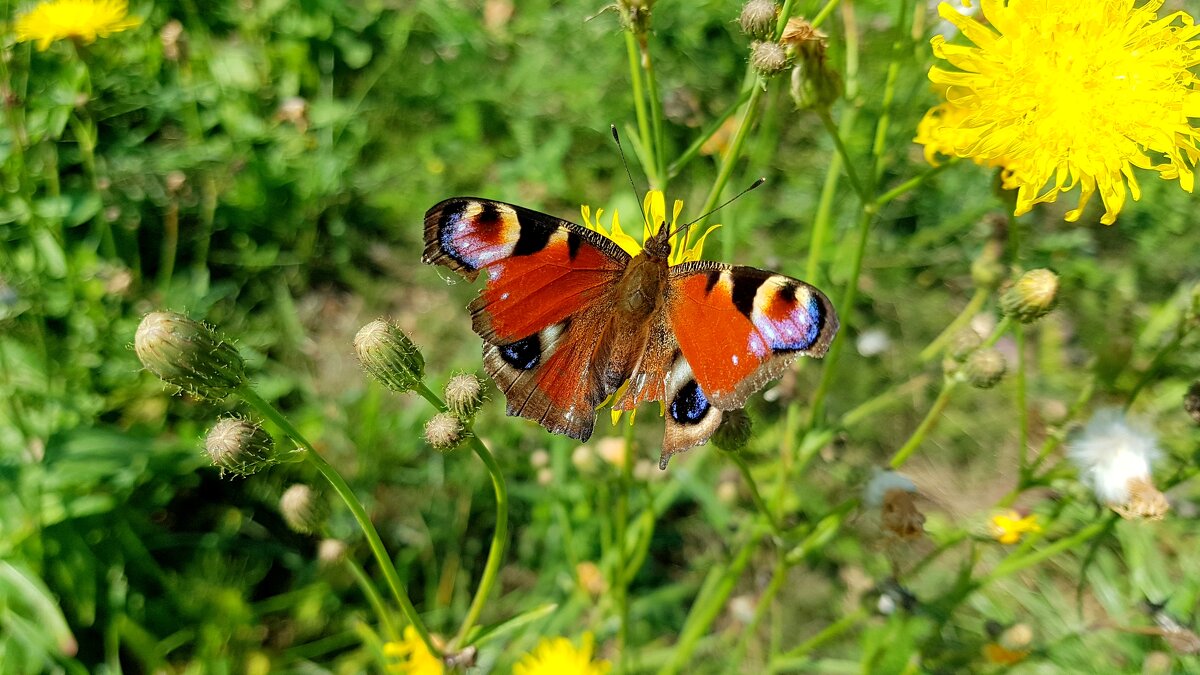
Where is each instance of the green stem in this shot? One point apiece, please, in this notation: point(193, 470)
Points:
point(694, 149)
point(621, 575)
point(824, 218)
point(729, 162)
point(825, 12)
point(1017, 563)
point(974, 305)
point(832, 128)
point(639, 108)
point(831, 631)
point(373, 597)
point(912, 183)
point(356, 509)
point(755, 495)
point(926, 425)
point(656, 115)
point(491, 568)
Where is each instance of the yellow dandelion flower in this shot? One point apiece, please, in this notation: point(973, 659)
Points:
point(410, 656)
point(1064, 94)
point(83, 20)
point(655, 211)
point(1008, 527)
point(558, 656)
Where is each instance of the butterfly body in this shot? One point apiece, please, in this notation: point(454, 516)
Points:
point(568, 317)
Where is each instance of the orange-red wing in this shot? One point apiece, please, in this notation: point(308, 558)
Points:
point(739, 327)
point(540, 269)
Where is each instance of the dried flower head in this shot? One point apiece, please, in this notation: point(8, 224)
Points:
point(1032, 296)
point(174, 40)
point(814, 83)
point(1114, 458)
point(895, 495)
point(189, 355)
point(464, 393)
point(758, 18)
point(239, 446)
point(444, 431)
point(1066, 94)
point(388, 355)
point(768, 58)
point(303, 508)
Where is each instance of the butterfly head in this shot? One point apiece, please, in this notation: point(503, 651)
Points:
point(658, 245)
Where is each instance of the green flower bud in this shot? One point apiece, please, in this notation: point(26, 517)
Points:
point(768, 58)
point(1032, 296)
point(814, 83)
point(963, 343)
point(1191, 401)
point(635, 15)
point(303, 508)
point(464, 393)
point(985, 368)
point(444, 431)
point(388, 355)
point(986, 270)
point(734, 432)
point(189, 355)
point(239, 446)
point(758, 18)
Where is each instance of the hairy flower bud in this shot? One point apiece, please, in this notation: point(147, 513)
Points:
point(444, 431)
point(239, 446)
point(189, 355)
point(734, 432)
point(331, 552)
point(985, 368)
point(1032, 296)
point(963, 344)
point(1191, 401)
point(464, 393)
point(758, 18)
point(388, 355)
point(303, 508)
point(768, 58)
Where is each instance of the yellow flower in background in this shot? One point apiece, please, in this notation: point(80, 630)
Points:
point(558, 656)
point(83, 20)
point(655, 211)
point(1062, 93)
point(410, 656)
point(1009, 527)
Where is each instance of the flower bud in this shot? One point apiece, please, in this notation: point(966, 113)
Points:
point(331, 552)
point(239, 446)
point(1032, 296)
point(189, 355)
point(963, 344)
point(635, 15)
point(388, 355)
point(444, 431)
point(986, 271)
point(1191, 401)
point(985, 368)
point(814, 83)
point(174, 42)
point(758, 18)
point(768, 58)
point(303, 508)
point(734, 431)
point(464, 393)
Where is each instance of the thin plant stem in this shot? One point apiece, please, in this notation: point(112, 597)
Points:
point(639, 108)
point(831, 631)
point(847, 161)
point(912, 183)
point(373, 597)
point(657, 126)
point(729, 162)
point(356, 509)
point(755, 495)
point(974, 305)
point(824, 218)
point(824, 12)
point(926, 425)
point(711, 130)
point(491, 568)
point(621, 576)
point(1014, 564)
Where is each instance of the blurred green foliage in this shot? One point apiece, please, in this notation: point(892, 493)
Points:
point(265, 165)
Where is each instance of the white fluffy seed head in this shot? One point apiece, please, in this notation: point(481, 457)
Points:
point(1111, 452)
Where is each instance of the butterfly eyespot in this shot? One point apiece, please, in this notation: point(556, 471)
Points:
point(523, 354)
point(689, 405)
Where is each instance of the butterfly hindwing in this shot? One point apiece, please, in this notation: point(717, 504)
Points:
point(740, 327)
point(547, 294)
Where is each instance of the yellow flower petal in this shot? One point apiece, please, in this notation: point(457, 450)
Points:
point(558, 656)
point(1066, 94)
point(83, 20)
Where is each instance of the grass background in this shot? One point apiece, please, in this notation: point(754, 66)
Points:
point(120, 551)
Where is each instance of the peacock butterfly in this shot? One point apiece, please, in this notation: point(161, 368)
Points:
point(568, 317)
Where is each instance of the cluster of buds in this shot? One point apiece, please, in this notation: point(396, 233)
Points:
point(969, 360)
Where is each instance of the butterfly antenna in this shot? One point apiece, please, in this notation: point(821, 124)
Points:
point(632, 185)
point(727, 202)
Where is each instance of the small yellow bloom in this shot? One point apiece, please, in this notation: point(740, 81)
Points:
point(410, 656)
point(655, 211)
point(558, 656)
point(83, 20)
point(1066, 94)
point(1008, 527)
point(1003, 656)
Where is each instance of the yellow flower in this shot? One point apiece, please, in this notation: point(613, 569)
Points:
point(1063, 93)
point(559, 657)
point(655, 212)
point(410, 656)
point(1008, 527)
point(83, 20)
